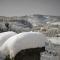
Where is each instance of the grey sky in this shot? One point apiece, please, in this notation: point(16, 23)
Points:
point(28, 7)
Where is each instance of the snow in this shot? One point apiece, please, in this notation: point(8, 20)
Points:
point(5, 35)
point(48, 56)
point(54, 40)
point(53, 45)
point(21, 41)
point(55, 23)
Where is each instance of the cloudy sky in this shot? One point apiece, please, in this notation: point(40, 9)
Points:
point(29, 7)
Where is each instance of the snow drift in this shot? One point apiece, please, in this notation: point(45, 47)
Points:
point(22, 41)
point(5, 35)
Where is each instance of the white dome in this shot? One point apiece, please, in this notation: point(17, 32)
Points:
point(5, 35)
point(23, 41)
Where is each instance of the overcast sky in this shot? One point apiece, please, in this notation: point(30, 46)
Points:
point(28, 7)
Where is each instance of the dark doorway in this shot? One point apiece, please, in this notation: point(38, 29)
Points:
point(29, 54)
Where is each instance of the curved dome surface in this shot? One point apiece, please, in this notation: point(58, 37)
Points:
point(24, 40)
point(5, 35)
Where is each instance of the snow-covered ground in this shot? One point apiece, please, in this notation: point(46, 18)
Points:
point(55, 23)
point(52, 47)
point(54, 40)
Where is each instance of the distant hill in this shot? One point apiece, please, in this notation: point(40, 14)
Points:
point(32, 20)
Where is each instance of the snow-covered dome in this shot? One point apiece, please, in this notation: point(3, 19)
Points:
point(23, 40)
point(5, 35)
